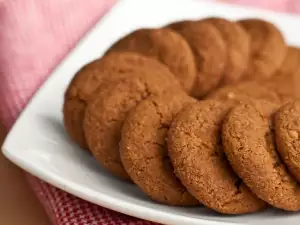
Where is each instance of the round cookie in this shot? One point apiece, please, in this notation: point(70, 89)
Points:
point(167, 47)
point(249, 145)
point(107, 110)
point(210, 52)
point(287, 130)
point(195, 149)
point(178, 25)
point(95, 74)
point(79, 90)
point(238, 49)
point(286, 86)
point(244, 91)
point(144, 151)
point(268, 49)
point(291, 62)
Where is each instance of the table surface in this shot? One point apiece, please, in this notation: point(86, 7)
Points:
point(18, 203)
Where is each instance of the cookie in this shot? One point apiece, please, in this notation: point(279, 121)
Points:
point(79, 90)
point(287, 130)
point(144, 150)
point(286, 86)
point(268, 48)
point(130, 61)
point(210, 53)
point(238, 49)
point(291, 62)
point(100, 72)
point(243, 92)
point(167, 47)
point(106, 111)
point(195, 149)
point(249, 145)
point(179, 25)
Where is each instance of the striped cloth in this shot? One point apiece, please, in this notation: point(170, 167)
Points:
point(35, 36)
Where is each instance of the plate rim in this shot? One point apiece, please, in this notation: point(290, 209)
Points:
point(106, 200)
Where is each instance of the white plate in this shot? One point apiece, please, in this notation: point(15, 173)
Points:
point(38, 142)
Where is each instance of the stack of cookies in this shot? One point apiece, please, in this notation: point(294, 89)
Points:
point(196, 112)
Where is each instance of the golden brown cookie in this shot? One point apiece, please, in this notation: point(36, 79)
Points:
point(195, 149)
point(291, 62)
point(108, 69)
point(268, 48)
point(167, 47)
point(107, 110)
point(79, 90)
point(285, 81)
point(238, 48)
point(179, 25)
point(286, 86)
point(210, 52)
point(144, 151)
point(249, 145)
point(244, 91)
point(287, 130)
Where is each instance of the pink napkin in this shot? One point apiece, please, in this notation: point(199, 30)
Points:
point(35, 35)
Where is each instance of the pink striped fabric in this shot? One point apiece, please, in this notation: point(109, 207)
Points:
point(35, 35)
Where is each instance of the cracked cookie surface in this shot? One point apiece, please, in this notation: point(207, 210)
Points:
point(287, 130)
point(244, 91)
point(144, 151)
point(268, 49)
point(107, 110)
point(249, 145)
point(109, 68)
point(286, 86)
point(167, 47)
point(196, 152)
point(210, 53)
point(238, 48)
point(291, 62)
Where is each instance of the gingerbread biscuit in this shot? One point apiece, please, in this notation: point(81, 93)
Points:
point(238, 48)
point(291, 62)
point(285, 81)
point(210, 52)
point(287, 130)
point(107, 110)
point(195, 149)
point(286, 86)
point(95, 74)
point(167, 47)
point(243, 92)
point(179, 25)
point(144, 151)
point(268, 48)
point(249, 145)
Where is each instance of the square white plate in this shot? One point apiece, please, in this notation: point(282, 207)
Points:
point(38, 142)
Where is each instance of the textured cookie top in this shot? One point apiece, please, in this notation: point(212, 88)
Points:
point(250, 147)
point(100, 73)
point(287, 130)
point(291, 62)
point(90, 76)
point(167, 47)
point(210, 52)
point(238, 48)
point(107, 110)
point(268, 49)
point(243, 92)
point(286, 86)
point(144, 152)
point(285, 81)
point(196, 152)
